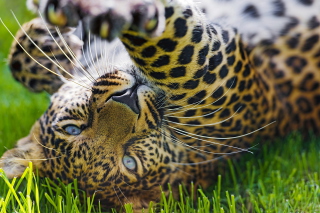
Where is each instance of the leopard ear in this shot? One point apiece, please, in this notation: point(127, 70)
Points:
point(39, 58)
point(14, 161)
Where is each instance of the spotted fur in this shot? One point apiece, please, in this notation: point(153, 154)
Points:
point(195, 89)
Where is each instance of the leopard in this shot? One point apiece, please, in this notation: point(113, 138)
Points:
point(195, 83)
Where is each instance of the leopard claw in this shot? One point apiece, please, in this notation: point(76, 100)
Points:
point(108, 26)
point(56, 17)
point(62, 16)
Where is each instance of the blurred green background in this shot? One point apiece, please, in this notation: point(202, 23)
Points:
point(19, 108)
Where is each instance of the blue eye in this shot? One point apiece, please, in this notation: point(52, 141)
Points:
point(72, 129)
point(129, 162)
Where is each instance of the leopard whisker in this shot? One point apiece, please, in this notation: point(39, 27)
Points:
point(221, 138)
point(32, 58)
point(191, 148)
point(123, 194)
point(92, 61)
point(200, 116)
point(203, 162)
point(117, 196)
point(46, 146)
point(96, 56)
point(83, 71)
point(219, 122)
point(30, 39)
point(215, 143)
point(78, 66)
point(197, 103)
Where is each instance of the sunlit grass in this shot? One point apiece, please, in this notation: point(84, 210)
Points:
point(267, 182)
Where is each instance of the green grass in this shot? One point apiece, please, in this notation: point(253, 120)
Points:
point(282, 177)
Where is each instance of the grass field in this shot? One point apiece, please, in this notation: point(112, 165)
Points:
point(282, 176)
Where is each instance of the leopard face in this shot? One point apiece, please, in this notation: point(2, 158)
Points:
point(111, 138)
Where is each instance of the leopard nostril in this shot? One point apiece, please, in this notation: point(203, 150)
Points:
point(128, 97)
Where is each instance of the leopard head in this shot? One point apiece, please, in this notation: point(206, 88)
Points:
point(109, 135)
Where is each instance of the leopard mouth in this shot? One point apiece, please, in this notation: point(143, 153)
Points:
point(129, 97)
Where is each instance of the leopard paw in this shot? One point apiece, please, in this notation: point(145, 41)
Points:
point(34, 54)
point(108, 19)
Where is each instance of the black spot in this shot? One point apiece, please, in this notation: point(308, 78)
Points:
point(293, 42)
point(32, 83)
point(197, 34)
point(306, 2)
point(225, 113)
point(296, 63)
point(209, 78)
point(181, 28)
point(225, 36)
point(219, 102)
point(158, 75)
point(191, 84)
point(197, 98)
point(169, 12)
point(279, 9)
point(223, 71)
point(16, 66)
point(190, 113)
point(308, 84)
point(218, 93)
point(310, 43)
point(246, 71)
point(161, 61)
point(27, 60)
point(251, 11)
point(231, 60)
point(271, 52)
point(285, 89)
point(242, 86)
point(238, 67)
point(304, 105)
point(247, 98)
point(18, 49)
point(234, 98)
point(34, 70)
point(178, 72)
point(173, 85)
point(167, 44)
point(232, 82)
point(231, 47)
point(149, 51)
point(201, 72)
point(257, 61)
point(135, 40)
point(291, 24)
point(139, 61)
point(313, 23)
point(186, 54)
point(215, 61)
point(316, 99)
point(203, 55)
point(178, 97)
point(187, 13)
point(216, 45)
point(47, 48)
point(128, 47)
